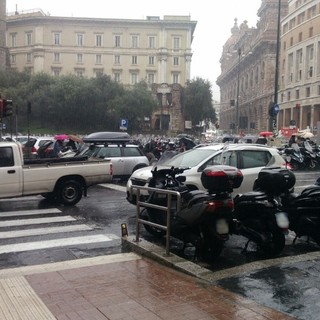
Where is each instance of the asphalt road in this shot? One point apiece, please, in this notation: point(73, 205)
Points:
point(34, 231)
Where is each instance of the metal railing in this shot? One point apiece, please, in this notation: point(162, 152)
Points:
point(167, 209)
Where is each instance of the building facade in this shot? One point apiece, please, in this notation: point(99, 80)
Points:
point(299, 92)
point(155, 50)
point(3, 27)
point(247, 79)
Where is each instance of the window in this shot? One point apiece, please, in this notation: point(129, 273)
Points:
point(29, 57)
point(109, 152)
point(29, 39)
point(79, 72)
point(131, 152)
point(56, 71)
point(307, 92)
point(254, 159)
point(134, 78)
point(57, 38)
point(134, 60)
point(98, 58)
point(175, 61)
point(176, 43)
point(117, 59)
point(13, 59)
point(79, 58)
point(6, 157)
point(116, 76)
point(56, 57)
point(297, 94)
point(310, 32)
point(150, 78)
point(151, 42)
point(80, 39)
point(175, 78)
point(288, 96)
point(98, 40)
point(134, 42)
point(13, 40)
point(151, 60)
point(300, 36)
point(117, 43)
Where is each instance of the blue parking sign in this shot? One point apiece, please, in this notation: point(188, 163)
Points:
point(123, 124)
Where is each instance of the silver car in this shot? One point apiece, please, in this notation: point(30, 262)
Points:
point(249, 158)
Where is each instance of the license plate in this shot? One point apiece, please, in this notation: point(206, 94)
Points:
point(222, 226)
point(282, 220)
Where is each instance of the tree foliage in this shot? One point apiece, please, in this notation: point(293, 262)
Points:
point(197, 99)
point(76, 104)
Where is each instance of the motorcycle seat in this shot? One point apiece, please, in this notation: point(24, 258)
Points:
point(311, 191)
point(252, 196)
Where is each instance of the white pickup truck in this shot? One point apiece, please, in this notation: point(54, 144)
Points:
point(64, 180)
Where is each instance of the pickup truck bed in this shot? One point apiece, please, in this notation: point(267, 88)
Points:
point(64, 180)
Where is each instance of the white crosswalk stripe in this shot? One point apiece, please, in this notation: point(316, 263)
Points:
point(33, 223)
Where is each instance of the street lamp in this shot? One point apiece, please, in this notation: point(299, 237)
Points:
point(238, 89)
point(275, 107)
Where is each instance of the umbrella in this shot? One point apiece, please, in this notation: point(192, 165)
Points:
point(61, 137)
point(305, 135)
point(75, 138)
point(266, 133)
point(187, 142)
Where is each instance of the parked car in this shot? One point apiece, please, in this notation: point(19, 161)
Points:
point(31, 147)
point(247, 157)
point(126, 158)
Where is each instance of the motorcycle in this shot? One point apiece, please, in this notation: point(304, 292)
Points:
point(204, 217)
point(304, 211)
point(257, 215)
point(294, 157)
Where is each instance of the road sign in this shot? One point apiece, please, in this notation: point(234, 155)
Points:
point(124, 124)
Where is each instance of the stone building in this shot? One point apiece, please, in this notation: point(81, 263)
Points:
point(299, 92)
point(247, 79)
point(155, 50)
point(3, 55)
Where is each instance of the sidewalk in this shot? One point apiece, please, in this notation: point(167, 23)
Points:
point(122, 286)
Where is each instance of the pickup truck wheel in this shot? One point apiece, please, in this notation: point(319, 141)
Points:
point(69, 192)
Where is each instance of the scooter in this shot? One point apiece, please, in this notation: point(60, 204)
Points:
point(257, 215)
point(304, 211)
point(294, 157)
point(204, 217)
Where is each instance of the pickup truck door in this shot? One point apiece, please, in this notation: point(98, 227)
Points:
point(10, 173)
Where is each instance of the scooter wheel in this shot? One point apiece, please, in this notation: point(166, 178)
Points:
point(276, 244)
point(152, 230)
point(211, 250)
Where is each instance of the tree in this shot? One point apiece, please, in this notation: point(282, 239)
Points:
point(197, 102)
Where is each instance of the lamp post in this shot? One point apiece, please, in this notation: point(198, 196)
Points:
point(275, 108)
point(238, 89)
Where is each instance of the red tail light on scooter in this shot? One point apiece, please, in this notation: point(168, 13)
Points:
point(211, 207)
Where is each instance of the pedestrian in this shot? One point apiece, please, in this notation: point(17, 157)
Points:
point(57, 147)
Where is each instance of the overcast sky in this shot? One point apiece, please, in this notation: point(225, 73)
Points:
point(214, 21)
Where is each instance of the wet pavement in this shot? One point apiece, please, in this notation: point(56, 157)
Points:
point(119, 287)
point(291, 288)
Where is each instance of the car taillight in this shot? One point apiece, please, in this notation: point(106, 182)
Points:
point(33, 150)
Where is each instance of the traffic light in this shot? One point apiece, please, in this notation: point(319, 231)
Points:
point(7, 108)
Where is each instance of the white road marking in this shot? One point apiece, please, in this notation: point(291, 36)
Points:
point(28, 212)
point(38, 245)
point(22, 222)
point(43, 231)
